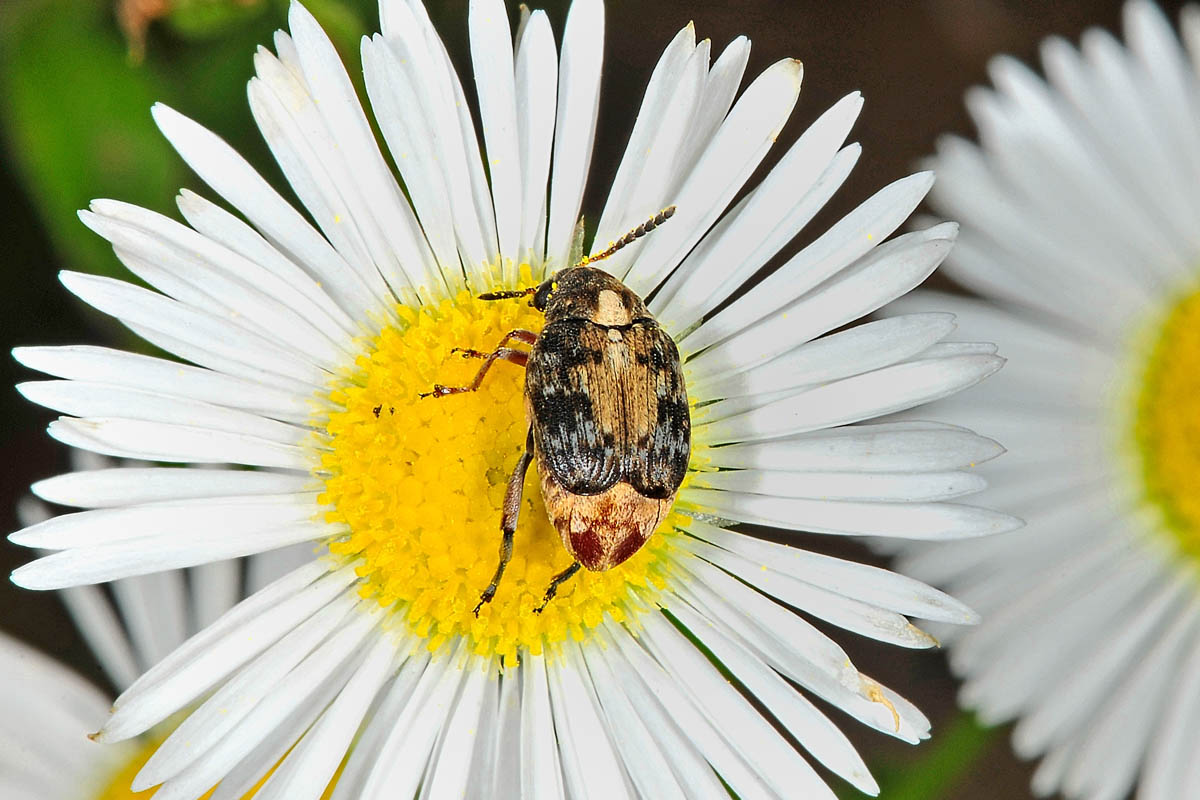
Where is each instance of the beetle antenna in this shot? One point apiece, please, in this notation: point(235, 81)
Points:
point(508, 295)
point(636, 233)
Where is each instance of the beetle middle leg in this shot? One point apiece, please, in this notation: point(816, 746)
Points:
point(508, 521)
point(501, 353)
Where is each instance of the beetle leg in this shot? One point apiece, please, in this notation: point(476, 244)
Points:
point(520, 334)
point(518, 357)
point(508, 522)
point(558, 580)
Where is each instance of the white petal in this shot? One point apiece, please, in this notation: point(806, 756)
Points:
point(263, 569)
point(91, 399)
point(853, 399)
point(238, 697)
point(402, 760)
point(156, 441)
point(654, 171)
point(845, 612)
point(419, 63)
point(686, 761)
point(541, 774)
point(494, 768)
point(864, 582)
point(461, 738)
point(903, 486)
point(798, 717)
point(140, 307)
point(365, 752)
point(277, 742)
point(665, 688)
point(1170, 753)
point(537, 93)
point(575, 123)
point(87, 363)
point(1072, 704)
point(401, 252)
point(213, 589)
point(285, 115)
point(234, 515)
point(199, 353)
point(862, 348)
point(95, 619)
point(195, 270)
point(269, 717)
point(591, 766)
point(405, 126)
point(734, 152)
point(233, 178)
point(156, 552)
point(777, 210)
point(124, 486)
point(648, 767)
point(1115, 742)
point(657, 99)
point(238, 636)
point(880, 276)
point(154, 610)
point(813, 659)
point(220, 226)
point(762, 747)
point(880, 447)
point(906, 520)
point(720, 88)
point(850, 691)
point(49, 706)
point(495, 83)
point(308, 768)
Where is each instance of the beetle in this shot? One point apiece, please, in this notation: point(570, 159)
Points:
point(607, 414)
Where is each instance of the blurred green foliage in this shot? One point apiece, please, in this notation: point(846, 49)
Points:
point(74, 106)
point(932, 771)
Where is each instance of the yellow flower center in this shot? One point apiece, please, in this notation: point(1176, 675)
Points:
point(419, 482)
point(1167, 428)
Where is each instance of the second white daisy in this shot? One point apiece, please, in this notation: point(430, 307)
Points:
point(1079, 212)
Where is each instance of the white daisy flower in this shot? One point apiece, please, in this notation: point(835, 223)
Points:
point(311, 346)
point(1079, 212)
point(45, 708)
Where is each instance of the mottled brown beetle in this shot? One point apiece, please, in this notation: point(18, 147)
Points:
point(607, 410)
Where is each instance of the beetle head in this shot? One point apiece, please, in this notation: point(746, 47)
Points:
point(541, 295)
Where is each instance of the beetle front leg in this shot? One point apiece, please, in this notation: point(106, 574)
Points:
point(520, 334)
point(518, 357)
point(501, 353)
point(508, 522)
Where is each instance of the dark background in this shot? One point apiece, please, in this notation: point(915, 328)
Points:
point(912, 62)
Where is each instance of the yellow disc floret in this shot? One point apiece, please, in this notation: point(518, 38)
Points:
point(1167, 430)
point(419, 482)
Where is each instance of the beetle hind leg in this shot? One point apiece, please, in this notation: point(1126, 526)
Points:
point(508, 522)
point(557, 581)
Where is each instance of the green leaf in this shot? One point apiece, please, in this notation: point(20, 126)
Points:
point(76, 117)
